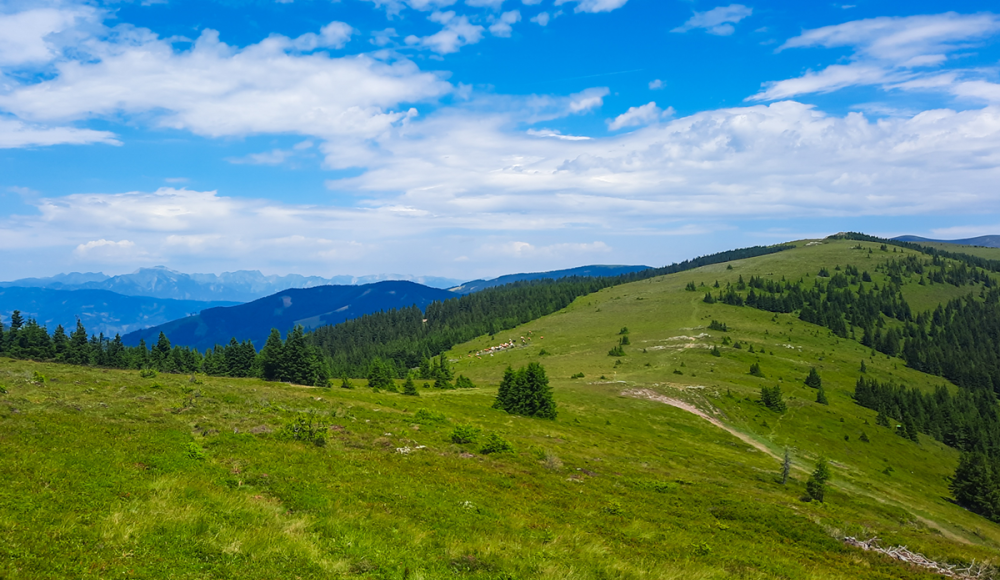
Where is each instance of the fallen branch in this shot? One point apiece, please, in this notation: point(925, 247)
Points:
point(974, 571)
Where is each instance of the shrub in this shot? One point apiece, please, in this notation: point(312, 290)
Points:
point(617, 351)
point(496, 444)
point(37, 377)
point(3, 390)
point(624, 330)
point(465, 434)
point(426, 416)
point(821, 397)
point(864, 437)
point(303, 428)
point(194, 451)
point(148, 373)
point(442, 383)
point(345, 383)
point(577, 376)
point(715, 351)
point(410, 388)
point(755, 370)
point(716, 325)
point(543, 352)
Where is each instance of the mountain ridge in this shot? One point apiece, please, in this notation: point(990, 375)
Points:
point(984, 241)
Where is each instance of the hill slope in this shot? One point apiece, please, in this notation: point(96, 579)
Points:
point(100, 311)
point(309, 307)
point(589, 271)
point(107, 473)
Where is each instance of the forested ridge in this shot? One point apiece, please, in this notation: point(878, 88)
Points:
point(399, 340)
point(958, 340)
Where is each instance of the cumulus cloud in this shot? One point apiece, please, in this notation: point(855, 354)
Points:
point(333, 35)
point(457, 32)
point(638, 116)
point(594, 6)
point(109, 251)
point(217, 90)
point(541, 19)
point(588, 100)
point(394, 7)
point(502, 26)
point(718, 21)
point(895, 53)
point(655, 85)
point(491, 4)
point(38, 36)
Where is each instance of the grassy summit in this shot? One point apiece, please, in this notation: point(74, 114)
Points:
point(666, 467)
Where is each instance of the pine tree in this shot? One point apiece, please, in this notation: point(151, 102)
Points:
point(814, 380)
point(816, 485)
point(526, 392)
point(410, 388)
point(821, 397)
point(272, 357)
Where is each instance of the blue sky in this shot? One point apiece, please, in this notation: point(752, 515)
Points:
point(471, 138)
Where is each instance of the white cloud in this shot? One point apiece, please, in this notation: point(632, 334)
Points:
point(587, 100)
point(594, 6)
point(556, 135)
point(541, 19)
point(893, 53)
point(14, 134)
point(394, 7)
point(656, 85)
point(528, 250)
point(491, 4)
point(457, 32)
point(531, 2)
point(38, 36)
point(502, 26)
point(638, 116)
point(216, 90)
point(109, 251)
point(718, 21)
point(333, 35)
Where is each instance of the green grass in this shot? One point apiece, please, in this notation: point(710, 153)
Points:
point(109, 475)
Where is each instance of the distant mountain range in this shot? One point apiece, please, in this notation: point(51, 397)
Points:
point(240, 286)
point(985, 241)
point(99, 310)
point(593, 271)
point(310, 307)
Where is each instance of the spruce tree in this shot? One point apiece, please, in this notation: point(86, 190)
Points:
point(814, 380)
point(786, 466)
point(272, 356)
point(526, 392)
point(816, 485)
point(410, 388)
point(821, 397)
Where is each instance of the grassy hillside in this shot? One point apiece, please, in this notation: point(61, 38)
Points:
point(108, 474)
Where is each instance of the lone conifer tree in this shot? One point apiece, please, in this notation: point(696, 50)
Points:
point(821, 397)
point(816, 486)
point(410, 388)
point(526, 391)
point(786, 466)
point(813, 380)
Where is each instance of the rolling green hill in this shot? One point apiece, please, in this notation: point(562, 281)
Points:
point(660, 464)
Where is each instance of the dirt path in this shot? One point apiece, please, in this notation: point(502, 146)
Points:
point(654, 396)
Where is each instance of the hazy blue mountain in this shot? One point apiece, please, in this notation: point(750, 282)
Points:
point(310, 307)
point(986, 241)
point(99, 310)
point(593, 271)
point(240, 286)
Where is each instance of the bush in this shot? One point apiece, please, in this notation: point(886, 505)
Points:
point(194, 451)
point(465, 434)
point(755, 370)
point(410, 388)
point(496, 444)
point(148, 373)
point(715, 351)
point(821, 397)
point(716, 325)
point(426, 416)
point(464, 382)
point(303, 428)
point(577, 376)
point(345, 383)
point(816, 486)
point(814, 380)
point(37, 377)
point(617, 351)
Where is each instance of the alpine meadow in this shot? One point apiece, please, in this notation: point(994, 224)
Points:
point(666, 427)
